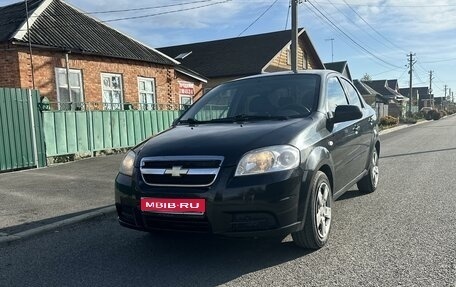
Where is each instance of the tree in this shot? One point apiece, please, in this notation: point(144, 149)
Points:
point(366, 77)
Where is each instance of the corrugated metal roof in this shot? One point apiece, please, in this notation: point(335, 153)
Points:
point(61, 26)
point(13, 16)
point(239, 56)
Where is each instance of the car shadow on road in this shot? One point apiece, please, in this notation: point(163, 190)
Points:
point(352, 193)
point(209, 260)
point(418, 152)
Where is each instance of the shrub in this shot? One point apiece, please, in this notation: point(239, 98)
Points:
point(407, 120)
point(435, 115)
point(388, 121)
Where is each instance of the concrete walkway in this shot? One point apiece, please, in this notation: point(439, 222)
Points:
point(39, 199)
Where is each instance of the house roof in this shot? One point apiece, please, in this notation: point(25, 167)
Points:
point(423, 92)
point(382, 87)
point(235, 56)
point(365, 90)
point(13, 16)
point(393, 84)
point(341, 67)
point(56, 24)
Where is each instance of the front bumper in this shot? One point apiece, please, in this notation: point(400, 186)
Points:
point(246, 206)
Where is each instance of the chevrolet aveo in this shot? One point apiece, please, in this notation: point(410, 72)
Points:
point(260, 156)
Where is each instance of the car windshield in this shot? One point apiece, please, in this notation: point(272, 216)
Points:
point(278, 97)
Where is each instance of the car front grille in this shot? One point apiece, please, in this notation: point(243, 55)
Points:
point(189, 171)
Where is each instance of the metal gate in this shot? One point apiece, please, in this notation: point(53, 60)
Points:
point(21, 132)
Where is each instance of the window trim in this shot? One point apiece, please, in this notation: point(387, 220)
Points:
point(57, 86)
point(154, 92)
point(341, 85)
point(347, 82)
point(121, 89)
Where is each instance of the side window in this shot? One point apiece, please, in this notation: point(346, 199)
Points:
point(146, 90)
point(112, 91)
point(335, 94)
point(66, 99)
point(353, 96)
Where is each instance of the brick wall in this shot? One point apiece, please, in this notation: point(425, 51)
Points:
point(45, 62)
point(9, 67)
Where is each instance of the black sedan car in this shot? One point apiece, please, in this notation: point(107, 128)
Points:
point(259, 156)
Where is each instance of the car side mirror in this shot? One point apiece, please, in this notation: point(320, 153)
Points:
point(345, 113)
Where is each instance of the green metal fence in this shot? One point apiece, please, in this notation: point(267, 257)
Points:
point(21, 133)
point(76, 132)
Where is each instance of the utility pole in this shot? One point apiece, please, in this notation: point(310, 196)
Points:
point(431, 96)
point(332, 48)
point(411, 89)
point(294, 35)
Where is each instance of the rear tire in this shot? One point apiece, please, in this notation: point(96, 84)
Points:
point(369, 182)
point(315, 232)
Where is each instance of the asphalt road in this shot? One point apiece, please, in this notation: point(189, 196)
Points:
point(404, 234)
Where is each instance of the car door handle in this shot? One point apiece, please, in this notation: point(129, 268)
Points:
point(356, 128)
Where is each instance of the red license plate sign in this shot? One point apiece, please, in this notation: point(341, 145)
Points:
point(173, 205)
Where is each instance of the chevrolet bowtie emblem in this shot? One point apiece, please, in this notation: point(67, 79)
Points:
point(176, 171)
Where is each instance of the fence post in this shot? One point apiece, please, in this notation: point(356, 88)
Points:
point(92, 141)
point(32, 118)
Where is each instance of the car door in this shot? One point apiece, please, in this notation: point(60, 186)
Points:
point(363, 129)
point(343, 139)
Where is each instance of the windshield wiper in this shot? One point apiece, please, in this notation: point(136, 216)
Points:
point(190, 121)
point(245, 117)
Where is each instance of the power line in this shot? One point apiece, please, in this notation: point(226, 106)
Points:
point(166, 12)
point(325, 21)
point(373, 29)
point(146, 8)
point(350, 38)
point(393, 6)
point(259, 17)
point(288, 14)
point(356, 25)
point(133, 17)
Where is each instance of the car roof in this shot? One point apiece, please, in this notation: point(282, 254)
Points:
point(321, 73)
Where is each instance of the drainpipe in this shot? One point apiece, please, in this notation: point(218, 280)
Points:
point(67, 66)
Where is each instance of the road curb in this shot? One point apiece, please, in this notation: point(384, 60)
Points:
point(397, 128)
point(5, 240)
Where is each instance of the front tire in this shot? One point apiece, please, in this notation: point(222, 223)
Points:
point(369, 182)
point(315, 232)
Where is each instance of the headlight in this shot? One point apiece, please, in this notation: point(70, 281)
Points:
point(268, 159)
point(126, 167)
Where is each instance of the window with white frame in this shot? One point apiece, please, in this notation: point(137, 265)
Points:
point(112, 91)
point(146, 90)
point(186, 102)
point(73, 100)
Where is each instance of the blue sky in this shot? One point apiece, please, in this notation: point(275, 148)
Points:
point(374, 36)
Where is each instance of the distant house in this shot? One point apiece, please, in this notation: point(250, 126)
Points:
point(372, 98)
point(75, 60)
point(420, 95)
point(341, 67)
point(389, 89)
point(227, 59)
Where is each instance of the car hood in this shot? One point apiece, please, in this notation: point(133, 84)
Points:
point(230, 140)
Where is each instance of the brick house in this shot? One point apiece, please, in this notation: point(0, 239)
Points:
point(232, 58)
point(103, 67)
